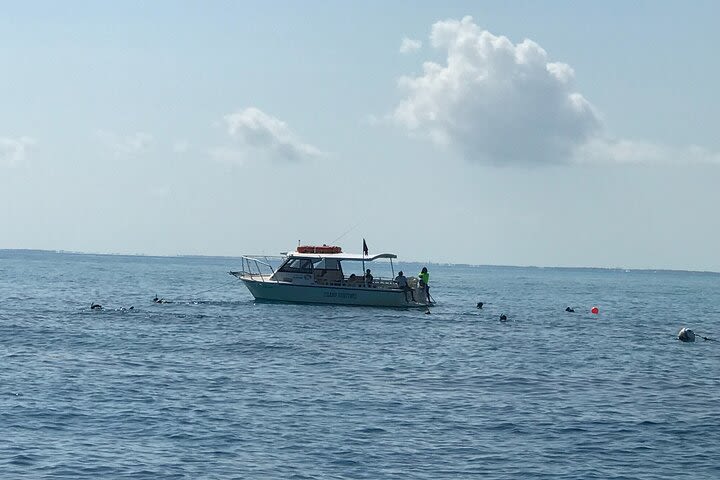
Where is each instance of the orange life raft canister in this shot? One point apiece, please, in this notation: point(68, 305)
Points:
point(318, 249)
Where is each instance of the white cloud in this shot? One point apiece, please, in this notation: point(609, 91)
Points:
point(507, 104)
point(497, 102)
point(13, 151)
point(410, 45)
point(259, 133)
point(123, 145)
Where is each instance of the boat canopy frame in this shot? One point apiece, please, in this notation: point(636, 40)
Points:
point(342, 256)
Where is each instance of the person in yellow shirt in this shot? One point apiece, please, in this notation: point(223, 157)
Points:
point(425, 282)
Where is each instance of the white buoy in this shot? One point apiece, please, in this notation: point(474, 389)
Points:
point(686, 335)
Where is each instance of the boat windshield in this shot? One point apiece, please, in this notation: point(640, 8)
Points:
point(297, 265)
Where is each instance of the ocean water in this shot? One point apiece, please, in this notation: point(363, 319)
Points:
point(214, 385)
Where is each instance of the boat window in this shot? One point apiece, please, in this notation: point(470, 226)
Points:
point(326, 264)
point(356, 268)
point(297, 265)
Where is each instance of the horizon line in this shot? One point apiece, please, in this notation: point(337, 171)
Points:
point(180, 255)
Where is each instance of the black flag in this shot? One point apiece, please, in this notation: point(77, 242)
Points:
point(365, 249)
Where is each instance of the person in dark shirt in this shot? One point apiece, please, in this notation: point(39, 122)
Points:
point(402, 282)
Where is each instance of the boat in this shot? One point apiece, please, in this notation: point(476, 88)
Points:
point(314, 274)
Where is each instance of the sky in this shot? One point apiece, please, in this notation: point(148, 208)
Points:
point(576, 134)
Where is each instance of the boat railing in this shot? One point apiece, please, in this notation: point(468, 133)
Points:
point(359, 282)
point(255, 268)
point(385, 283)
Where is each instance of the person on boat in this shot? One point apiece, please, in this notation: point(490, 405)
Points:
point(368, 277)
point(425, 282)
point(402, 282)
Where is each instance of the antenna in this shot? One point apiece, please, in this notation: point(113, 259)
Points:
point(346, 232)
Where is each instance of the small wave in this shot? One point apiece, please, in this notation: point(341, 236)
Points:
point(371, 430)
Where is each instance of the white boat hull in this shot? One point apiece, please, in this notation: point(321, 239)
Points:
point(335, 295)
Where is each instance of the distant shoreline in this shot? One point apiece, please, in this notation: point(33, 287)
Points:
point(466, 265)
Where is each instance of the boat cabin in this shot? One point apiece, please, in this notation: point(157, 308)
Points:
point(327, 269)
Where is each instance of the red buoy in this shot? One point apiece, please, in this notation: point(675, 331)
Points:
point(595, 310)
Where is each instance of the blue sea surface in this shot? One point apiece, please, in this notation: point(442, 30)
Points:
point(215, 385)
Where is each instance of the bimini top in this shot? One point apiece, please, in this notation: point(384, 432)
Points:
point(342, 256)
